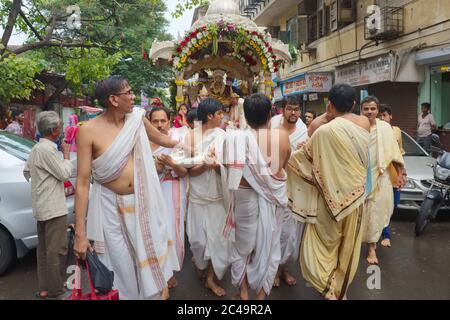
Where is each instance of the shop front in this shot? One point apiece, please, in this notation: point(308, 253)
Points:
point(393, 82)
point(436, 88)
point(311, 89)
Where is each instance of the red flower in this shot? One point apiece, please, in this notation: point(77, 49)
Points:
point(270, 50)
point(204, 28)
point(184, 43)
point(179, 49)
point(254, 33)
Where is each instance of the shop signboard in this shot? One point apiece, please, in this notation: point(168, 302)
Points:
point(319, 82)
point(374, 70)
point(309, 82)
point(295, 85)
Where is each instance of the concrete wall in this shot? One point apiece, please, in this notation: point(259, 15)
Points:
point(425, 22)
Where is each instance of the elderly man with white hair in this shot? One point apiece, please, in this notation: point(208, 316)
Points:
point(48, 171)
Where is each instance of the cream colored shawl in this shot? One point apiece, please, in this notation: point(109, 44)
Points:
point(334, 164)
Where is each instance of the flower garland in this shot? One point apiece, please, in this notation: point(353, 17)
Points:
point(205, 35)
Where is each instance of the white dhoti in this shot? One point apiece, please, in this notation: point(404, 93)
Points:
point(174, 191)
point(204, 228)
point(246, 218)
point(291, 235)
point(264, 206)
point(384, 151)
point(118, 254)
point(207, 214)
point(130, 233)
point(379, 209)
point(292, 229)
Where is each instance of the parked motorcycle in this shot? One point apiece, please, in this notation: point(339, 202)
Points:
point(439, 194)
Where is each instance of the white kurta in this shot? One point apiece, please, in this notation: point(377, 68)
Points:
point(206, 213)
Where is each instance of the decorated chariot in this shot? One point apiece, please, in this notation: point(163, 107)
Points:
point(223, 54)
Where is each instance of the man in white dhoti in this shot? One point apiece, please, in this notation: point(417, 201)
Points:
point(290, 122)
point(258, 199)
point(206, 209)
point(127, 219)
point(172, 180)
point(387, 160)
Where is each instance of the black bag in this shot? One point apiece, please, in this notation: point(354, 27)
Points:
point(102, 277)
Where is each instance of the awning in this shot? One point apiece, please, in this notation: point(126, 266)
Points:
point(435, 56)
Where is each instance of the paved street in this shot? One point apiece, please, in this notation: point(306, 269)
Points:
point(414, 268)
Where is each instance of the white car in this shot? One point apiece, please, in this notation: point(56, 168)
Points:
point(419, 167)
point(18, 227)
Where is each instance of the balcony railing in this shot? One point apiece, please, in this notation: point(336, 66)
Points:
point(250, 8)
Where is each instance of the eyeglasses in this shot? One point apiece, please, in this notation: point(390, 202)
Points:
point(292, 109)
point(129, 93)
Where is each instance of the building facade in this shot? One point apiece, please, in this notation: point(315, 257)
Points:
point(397, 50)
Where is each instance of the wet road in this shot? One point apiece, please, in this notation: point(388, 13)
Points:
point(414, 268)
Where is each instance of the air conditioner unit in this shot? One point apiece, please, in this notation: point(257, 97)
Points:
point(383, 23)
point(341, 12)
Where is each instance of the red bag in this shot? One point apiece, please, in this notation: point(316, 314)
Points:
point(77, 293)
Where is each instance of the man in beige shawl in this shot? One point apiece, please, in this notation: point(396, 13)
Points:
point(127, 219)
point(384, 153)
point(327, 186)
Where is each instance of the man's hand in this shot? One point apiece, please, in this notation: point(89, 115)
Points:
point(81, 246)
point(188, 150)
point(166, 160)
point(210, 160)
point(65, 148)
point(301, 144)
point(401, 180)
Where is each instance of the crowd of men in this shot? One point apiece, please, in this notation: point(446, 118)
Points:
point(250, 200)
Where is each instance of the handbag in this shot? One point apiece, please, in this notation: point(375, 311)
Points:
point(77, 293)
point(102, 277)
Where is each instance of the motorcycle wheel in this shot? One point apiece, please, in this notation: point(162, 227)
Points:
point(427, 210)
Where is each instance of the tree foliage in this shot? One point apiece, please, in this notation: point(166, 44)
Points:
point(111, 39)
point(184, 5)
point(17, 77)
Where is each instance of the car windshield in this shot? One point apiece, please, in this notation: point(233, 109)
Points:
point(411, 147)
point(15, 145)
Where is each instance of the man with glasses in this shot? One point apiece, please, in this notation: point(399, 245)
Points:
point(290, 122)
point(127, 218)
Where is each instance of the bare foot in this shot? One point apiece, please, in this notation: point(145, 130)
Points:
point(276, 281)
point(290, 280)
point(200, 273)
point(211, 285)
point(372, 256)
point(386, 242)
point(261, 295)
point(331, 297)
point(165, 294)
point(172, 283)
